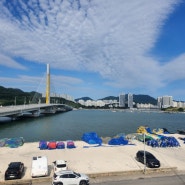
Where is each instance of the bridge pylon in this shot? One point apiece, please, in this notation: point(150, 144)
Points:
point(48, 85)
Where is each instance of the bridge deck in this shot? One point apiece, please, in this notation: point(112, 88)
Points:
point(19, 110)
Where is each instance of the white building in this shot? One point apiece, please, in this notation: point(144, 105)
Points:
point(122, 100)
point(130, 100)
point(165, 101)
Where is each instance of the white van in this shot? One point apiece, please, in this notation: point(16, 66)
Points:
point(39, 166)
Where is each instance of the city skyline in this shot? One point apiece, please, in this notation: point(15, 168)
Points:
point(94, 48)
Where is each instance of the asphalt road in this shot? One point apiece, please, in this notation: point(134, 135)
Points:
point(142, 180)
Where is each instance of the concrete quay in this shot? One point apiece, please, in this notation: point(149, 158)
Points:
point(97, 162)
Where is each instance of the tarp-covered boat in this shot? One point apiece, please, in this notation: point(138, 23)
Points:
point(70, 144)
point(60, 145)
point(43, 145)
point(14, 142)
point(118, 141)
point(91, 138)
point(52, 145)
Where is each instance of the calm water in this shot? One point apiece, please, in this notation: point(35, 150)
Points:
point(73, 124)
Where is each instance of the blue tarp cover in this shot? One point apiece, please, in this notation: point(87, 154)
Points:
point(91, 138)
point(118, 141)
point(164, 142)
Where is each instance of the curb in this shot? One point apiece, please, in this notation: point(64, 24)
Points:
point(92, 175)
point(133, 172)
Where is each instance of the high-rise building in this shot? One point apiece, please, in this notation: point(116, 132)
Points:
point(165, 101)
point(130, 100)
point(122, 100)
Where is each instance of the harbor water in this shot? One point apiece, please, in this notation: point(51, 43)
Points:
point(106, 123)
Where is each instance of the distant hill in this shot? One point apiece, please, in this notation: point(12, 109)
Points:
point(8, 96)
point(145, 99)
point(83, 98)
point(111, 98)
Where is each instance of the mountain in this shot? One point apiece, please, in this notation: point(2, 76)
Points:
point(111, 98)
point(83, 98)
point(11, 96)
point(144, 99)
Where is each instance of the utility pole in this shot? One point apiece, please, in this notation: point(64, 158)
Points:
point(144, 155)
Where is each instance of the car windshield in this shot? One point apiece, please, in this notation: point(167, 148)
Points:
point(61, 165)
point(13, 168)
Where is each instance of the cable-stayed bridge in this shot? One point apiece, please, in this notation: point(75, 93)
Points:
point(34, 110)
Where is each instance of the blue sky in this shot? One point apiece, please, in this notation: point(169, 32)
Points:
point(95, 48)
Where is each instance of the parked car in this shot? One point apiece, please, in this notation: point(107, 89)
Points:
point(15, 170)
point(69, 177)
point(151, 160)
point(59, 165)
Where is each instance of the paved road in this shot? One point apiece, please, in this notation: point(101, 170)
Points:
point(140, 180)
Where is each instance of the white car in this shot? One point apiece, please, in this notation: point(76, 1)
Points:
point(59, 165)
point(70, 177)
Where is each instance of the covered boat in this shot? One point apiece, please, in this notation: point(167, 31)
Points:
point(52, 145)
point(70, 144)
point(60, 145)
point(118, 141)
point(14, 142)
point(43, 145)
point(91, 138)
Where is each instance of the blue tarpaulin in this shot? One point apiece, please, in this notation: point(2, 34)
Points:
point(14, 142)
point(43, 145)
point(164, 142)
point(91, 138)
point(118, 141)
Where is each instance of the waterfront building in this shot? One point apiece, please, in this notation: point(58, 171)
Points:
point(130, 100)
point(146, 106)
point(122, 100)
point(82, 102)
point(165, 101)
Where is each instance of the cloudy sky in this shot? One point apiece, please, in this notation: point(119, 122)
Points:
point(95, 48)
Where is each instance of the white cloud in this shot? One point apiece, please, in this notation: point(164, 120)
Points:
point(9, 62)
point(112, 38)
point(174, 70)
point(38, 84)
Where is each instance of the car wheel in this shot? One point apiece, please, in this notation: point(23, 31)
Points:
point(83, 183)
point(59, 183)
